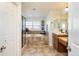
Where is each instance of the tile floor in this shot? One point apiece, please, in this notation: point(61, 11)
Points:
point(40, 49)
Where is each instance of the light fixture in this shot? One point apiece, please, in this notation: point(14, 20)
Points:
point(66, 9)
point(34, 9)
point(63, 27)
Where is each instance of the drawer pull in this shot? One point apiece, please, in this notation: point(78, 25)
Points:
point(69, 48)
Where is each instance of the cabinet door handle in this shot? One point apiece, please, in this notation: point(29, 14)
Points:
point(69, 48)
point(2, 48)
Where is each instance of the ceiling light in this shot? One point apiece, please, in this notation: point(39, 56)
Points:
point(34, 9)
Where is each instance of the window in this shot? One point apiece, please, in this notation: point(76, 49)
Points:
point(29, 24)
point(36, 25)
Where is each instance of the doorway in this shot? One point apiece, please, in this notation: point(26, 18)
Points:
point(40, 27)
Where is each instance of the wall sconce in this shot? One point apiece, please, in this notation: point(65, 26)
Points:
point(63, 28)
point(66, 9)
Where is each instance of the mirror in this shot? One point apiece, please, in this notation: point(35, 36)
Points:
point(61, 25)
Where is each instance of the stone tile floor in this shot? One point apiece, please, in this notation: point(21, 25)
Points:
point(43, 50)
point(39, 48)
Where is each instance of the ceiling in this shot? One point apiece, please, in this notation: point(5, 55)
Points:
point(42, 9)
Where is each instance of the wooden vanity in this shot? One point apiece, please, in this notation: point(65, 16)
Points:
point(63, 40)
point(60, 41)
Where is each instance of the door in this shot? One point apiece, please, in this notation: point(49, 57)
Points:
point(10, 29)
point(73, 28)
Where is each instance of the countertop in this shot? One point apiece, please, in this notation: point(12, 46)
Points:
point(63, 40)
point(59, 33)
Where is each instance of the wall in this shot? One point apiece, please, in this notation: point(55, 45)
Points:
point(10, 27)
point(53, 23)
point(58, 18)
point(49, 29)
point(73, 28)
point(58, 23)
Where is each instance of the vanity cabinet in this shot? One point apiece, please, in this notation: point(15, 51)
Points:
point(55, 41)
point(59, 42)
